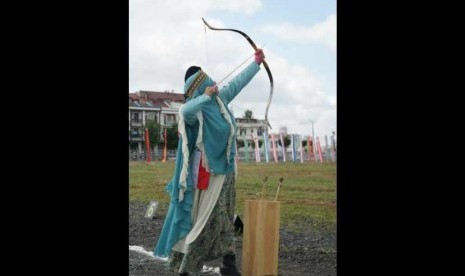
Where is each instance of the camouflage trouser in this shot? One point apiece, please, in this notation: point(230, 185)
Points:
point(217, 237)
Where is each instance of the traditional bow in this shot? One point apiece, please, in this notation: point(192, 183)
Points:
point(264, 64)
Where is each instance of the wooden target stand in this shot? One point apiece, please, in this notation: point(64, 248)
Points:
point(261, 238)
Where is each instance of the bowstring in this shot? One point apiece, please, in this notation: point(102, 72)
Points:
point(238, 66)
point(235, 69)
point(206, 47)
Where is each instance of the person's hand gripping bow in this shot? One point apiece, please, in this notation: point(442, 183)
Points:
point(259, 56)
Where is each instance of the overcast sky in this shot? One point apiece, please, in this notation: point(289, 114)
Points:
point(299, 39)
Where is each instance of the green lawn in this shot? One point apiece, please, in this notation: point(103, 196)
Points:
point(308, 190)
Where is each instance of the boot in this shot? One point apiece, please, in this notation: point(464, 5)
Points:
point(229, 266)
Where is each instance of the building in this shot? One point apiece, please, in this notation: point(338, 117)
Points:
point(248, 126)
point(163, 107)
point(150, 105)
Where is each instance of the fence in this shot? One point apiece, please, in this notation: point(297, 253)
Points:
point(241, 155)
point(156, 155)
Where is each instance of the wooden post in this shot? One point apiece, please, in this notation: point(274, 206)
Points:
point(261, 238)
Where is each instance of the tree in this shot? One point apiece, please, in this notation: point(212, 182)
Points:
point(260, 142)
point(248, 114)
point(154, 132)
point(172, 137)
point(240, 143)
point(287, 141)
point(304, 144)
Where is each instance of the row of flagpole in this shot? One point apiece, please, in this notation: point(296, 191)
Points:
point(313, 153)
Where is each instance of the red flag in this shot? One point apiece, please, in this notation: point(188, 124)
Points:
point(164, 150)
point(147, 145)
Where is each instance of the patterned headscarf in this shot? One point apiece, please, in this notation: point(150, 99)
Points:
point(196, 84)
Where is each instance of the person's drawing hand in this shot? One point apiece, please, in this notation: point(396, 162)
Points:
point(210, 90)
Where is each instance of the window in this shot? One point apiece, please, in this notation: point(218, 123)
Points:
point(135, 116)
point(170, 119)
point(150, 116)
point(135, 132)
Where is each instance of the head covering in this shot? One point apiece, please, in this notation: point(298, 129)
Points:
point(192, 70)
point(196, 83)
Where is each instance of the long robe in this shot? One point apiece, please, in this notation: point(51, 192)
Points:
point(217, 137)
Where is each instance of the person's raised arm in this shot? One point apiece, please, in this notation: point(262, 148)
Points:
point(229, 92)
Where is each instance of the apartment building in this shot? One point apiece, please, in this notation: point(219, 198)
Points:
point(248, 126)
point(151, 105)
point(163, 107)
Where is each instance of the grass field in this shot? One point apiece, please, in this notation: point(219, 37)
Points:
point(308, 190)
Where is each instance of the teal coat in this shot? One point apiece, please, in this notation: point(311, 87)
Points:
point(216, 131)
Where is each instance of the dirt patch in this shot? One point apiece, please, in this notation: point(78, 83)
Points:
point(302, 251)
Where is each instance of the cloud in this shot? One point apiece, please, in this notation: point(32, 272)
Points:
point(166, 37)
point(322, 32)
point(299, 97)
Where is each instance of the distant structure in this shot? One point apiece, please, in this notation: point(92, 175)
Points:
point(151, 105)
point(163, 107)
point(248, 126)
